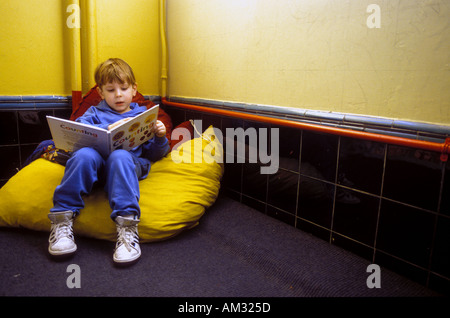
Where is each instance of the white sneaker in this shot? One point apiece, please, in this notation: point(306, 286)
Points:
point(61, 240)
point(127, 247)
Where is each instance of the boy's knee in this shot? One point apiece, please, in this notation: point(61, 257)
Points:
point(86, 153)
point(120, 156)
point(122, 161)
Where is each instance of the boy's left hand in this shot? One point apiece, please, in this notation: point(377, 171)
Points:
point(159, 129)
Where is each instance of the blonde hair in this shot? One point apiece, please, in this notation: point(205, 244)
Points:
point(114, 69)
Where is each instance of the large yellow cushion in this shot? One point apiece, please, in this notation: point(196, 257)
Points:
point(173, 197)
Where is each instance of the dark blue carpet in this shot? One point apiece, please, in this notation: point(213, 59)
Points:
point(234, 252)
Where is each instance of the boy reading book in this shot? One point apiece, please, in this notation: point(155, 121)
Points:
point(120, 172)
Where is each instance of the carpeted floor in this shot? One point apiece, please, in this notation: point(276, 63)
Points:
point(234, 252)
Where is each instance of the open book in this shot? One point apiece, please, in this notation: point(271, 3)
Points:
point(71, 136)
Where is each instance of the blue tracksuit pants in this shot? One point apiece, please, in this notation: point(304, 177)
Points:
point(120, 173)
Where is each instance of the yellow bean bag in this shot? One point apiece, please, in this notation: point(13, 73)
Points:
point(173, 197)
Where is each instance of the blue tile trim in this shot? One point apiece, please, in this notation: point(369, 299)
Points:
point(376, 121)
point(46, 101)
point(416, 130)
point(154, 98)
point(407, 129)
point(437, 129)
point(34, 102)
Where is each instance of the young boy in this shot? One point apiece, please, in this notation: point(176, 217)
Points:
point(120, 172)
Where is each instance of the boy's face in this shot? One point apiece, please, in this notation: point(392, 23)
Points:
point(118, 96)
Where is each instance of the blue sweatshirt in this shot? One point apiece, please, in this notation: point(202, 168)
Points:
point(102, 116)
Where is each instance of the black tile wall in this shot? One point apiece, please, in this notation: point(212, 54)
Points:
point(386, 203)
point(319, 155)
point(356, 220)
point(441, 251)
point(20, 133)
point(289, 149)
point(282, 190)
point(32, 126)
point(361, 164)
point(445, 197)
point(10, 161)
point(413, 177)
point(406, 232)
point(8, 128)
point(315, 203)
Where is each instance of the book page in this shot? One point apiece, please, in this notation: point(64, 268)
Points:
point(71, 136)
point(135, 131)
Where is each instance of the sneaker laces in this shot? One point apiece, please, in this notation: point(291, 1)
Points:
point(128, 236)
point(60, 230)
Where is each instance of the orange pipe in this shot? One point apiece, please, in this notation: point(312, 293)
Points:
point(443, 148)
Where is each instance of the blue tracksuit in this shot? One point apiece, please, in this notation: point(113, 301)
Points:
point(120, 172)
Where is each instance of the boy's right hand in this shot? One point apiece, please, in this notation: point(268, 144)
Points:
point(120, 122)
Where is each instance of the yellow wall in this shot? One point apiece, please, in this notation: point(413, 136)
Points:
point(130, 30)
point(31, 48)
point(34, 57)
point(317, 54)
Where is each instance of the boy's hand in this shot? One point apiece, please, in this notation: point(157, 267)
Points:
point(117, 123)
point(159, 129)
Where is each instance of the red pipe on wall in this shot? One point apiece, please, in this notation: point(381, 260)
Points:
point(442, 148)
